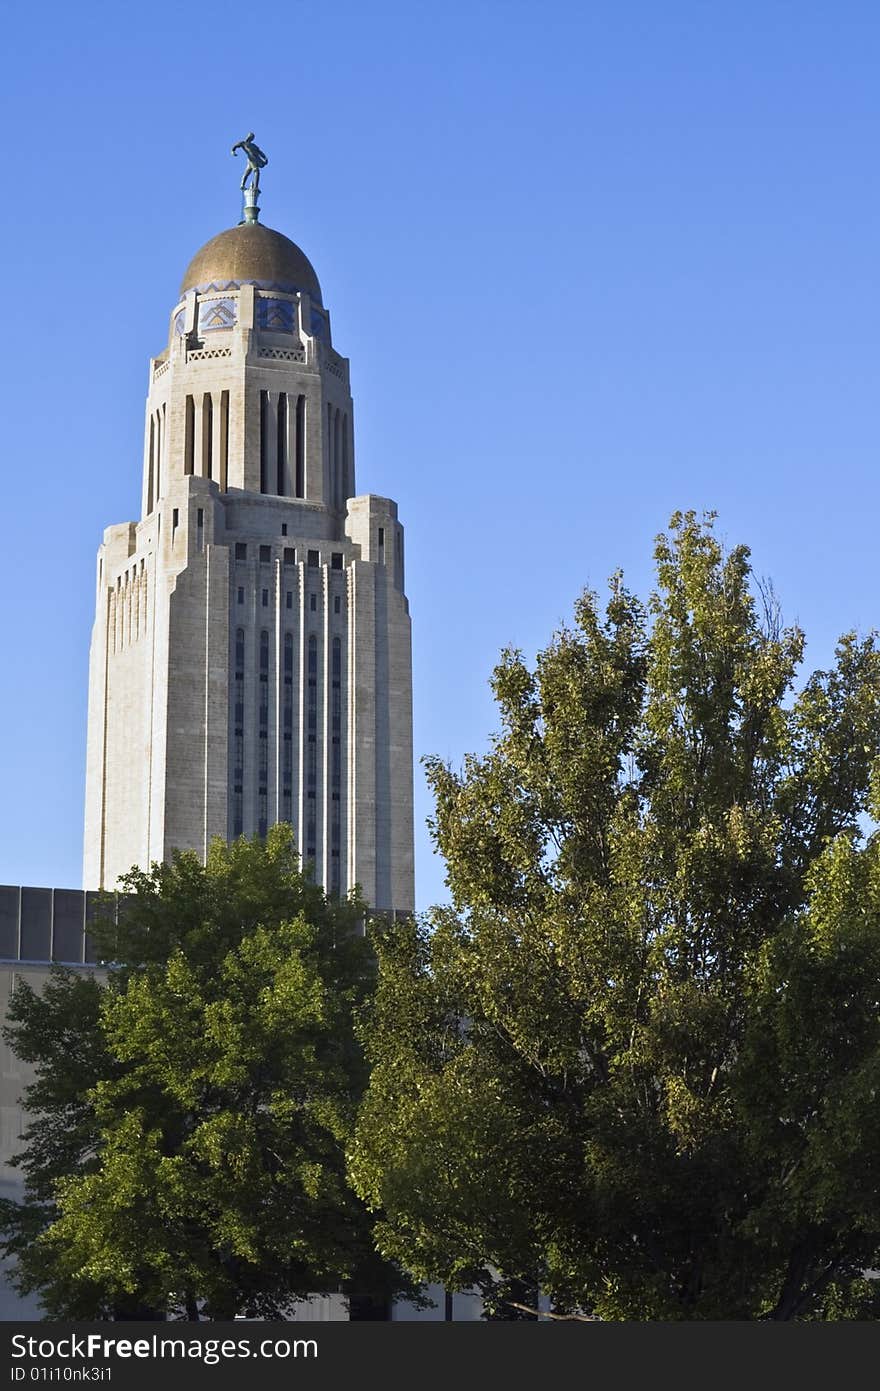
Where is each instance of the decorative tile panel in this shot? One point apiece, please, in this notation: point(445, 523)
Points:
point(216, 313)
point(276, 315)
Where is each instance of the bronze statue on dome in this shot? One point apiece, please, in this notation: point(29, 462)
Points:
point(256, 161)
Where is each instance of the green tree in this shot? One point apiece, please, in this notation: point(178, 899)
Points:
point(190, 1117)
point(636, 1061)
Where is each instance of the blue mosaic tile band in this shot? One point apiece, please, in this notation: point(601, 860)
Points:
point(257, 284)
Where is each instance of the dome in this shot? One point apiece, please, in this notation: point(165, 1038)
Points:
point(252, 254)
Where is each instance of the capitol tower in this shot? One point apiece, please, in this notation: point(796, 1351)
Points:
point(250, 658)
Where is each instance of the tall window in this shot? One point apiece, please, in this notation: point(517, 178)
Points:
point(282, 445)
point(312, 749)
point(346, 469)
point(238, 737)
point(263, 739)
point(300, 480)
point(151, 463)
point(160, 454)
point(189, 435)
point(207, 435)
point(337, 460)
point(224, 439)
point(287, 732)
point(264, 441)
point(335, 765)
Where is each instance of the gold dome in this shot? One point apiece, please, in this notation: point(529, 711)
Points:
point(252, 253)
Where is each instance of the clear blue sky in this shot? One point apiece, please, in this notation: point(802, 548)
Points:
point(591, 262)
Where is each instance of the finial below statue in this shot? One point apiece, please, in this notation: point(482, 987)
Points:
point(256, 160)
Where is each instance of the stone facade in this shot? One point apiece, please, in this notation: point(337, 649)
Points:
point(250, 659)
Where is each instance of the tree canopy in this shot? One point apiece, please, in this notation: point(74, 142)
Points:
point(635, 1062)
point(189, 1117)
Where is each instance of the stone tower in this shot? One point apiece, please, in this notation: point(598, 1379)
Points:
point(250, 658)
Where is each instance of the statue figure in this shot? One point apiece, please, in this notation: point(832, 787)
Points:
point(256, 161)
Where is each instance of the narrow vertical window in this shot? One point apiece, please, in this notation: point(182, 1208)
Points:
point(150, 463)
point(263, 738)
point(207, 435)
point(200, 529)
point(264, 441)
point(224, 440)
point(158, 419)
point(398, 557)
point(287, 729)
point(337, 461)
point(346, 472)
point(238, 737)
point(189, 435)
point(336, 765)
point(300, 482)
point(312, 749)
point(281, 451)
